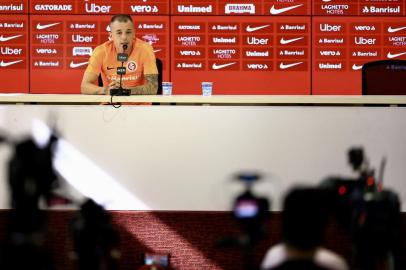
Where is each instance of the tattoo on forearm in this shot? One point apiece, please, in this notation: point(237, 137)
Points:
point(150, 88)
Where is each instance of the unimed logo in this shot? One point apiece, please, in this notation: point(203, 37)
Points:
point(194, 9)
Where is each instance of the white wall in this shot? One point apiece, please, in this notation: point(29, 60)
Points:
point(183, 157)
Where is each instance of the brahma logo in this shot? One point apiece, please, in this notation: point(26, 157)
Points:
point(240, 8)
point(132, 66)
point(144, 9)
point(151, 38)
point(82, 51)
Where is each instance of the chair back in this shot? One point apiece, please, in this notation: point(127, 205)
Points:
point(384, 77)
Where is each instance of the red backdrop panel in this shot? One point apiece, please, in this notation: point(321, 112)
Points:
point(61, 46)
point(241, 55)
point(14, 51)
point(341, 45)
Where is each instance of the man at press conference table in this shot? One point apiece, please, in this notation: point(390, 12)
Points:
point(141, 76)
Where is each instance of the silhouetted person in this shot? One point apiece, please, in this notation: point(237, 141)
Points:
point(95, 240)
point(304, 219)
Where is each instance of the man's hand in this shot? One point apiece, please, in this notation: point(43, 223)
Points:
point(113, 85)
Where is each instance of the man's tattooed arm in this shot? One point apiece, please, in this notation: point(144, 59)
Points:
point(150, 88)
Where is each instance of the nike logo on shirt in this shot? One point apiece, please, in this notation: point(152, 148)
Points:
point(45, 26)
point(2, 38)
point(275, 11)
point(215, 66)
point(6, 64)
point(285, 66)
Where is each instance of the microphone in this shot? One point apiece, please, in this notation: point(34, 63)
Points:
point(121, 57)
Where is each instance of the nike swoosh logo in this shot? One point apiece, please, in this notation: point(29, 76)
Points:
point(275, 11)
point(215, 66)
point(76, 65)
point(287, 41)
point(356, 67)
point(253, 29)
point(157, 50)
point(390, 55)
point(2, 38)
point(393, 30)
point(325, 1)
point(283, 66)
point(45, 26)
point(6, 64)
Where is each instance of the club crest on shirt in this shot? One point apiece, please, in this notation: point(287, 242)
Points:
point(132, 66)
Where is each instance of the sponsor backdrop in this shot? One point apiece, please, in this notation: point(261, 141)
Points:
point(243, 47)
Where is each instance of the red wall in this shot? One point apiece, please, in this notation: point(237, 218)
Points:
point(244, 47)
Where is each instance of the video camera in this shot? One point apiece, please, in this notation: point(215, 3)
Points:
point(249, 209)
point(369, 212)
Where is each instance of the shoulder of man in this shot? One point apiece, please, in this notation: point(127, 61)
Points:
point(103, 48)
point(139, 43)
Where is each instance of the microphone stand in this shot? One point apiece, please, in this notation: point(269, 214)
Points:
point(121, 57)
